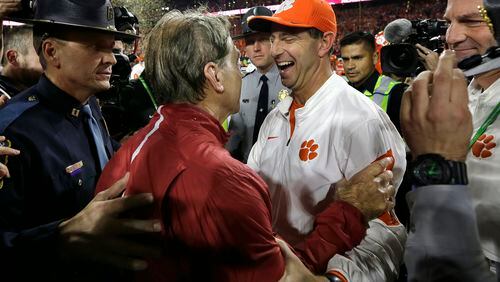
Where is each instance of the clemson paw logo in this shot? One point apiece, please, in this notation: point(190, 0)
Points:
point(308, 151)
point(483, 146)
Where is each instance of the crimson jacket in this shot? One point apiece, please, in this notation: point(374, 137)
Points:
point(215, 210)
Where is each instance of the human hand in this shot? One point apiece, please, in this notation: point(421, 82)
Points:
point(435, 116)
point(428, 57)
point(295, 270)
point(9, 6)
point(3, 100)
point(370, 190)
point(4, 152)
point(97, 232)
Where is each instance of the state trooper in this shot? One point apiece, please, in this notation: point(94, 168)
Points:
point(261, 89)
point(49, 216)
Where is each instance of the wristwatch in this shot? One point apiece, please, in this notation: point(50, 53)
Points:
point(432, 169)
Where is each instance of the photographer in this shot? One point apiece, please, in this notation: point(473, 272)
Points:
point(129, 104)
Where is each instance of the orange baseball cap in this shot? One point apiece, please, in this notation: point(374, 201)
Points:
point(298, 13)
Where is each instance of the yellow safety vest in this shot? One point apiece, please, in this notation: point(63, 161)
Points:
point(381, 92)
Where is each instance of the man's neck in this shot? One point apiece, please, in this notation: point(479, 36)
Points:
point(82, 95)
point(485, 80)
point(359, 83)
point(319, 77)
point(265, 69)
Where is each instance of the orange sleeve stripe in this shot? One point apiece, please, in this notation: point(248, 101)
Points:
point(338, 275)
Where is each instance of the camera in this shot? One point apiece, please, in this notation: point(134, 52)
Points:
point(401, 57)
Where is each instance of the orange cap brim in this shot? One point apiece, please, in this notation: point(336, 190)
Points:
point(264, 23)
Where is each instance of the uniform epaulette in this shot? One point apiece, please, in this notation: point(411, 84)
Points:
point(15, 108)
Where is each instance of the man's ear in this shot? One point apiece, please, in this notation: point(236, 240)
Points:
point(326, 44)
point(49, 51)
point(212, 74)
point(12, 57)
point(375, 58)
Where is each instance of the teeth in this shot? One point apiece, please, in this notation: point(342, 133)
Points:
point(284, 64)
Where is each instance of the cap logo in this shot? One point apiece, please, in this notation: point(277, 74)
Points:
point(286, 5)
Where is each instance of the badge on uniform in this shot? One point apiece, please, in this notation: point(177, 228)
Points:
point(75, 169)
point(283, 94)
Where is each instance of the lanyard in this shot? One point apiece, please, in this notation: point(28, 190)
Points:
point(149, 92)
point(489, 120)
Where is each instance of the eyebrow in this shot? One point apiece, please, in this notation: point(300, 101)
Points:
point(467, 16)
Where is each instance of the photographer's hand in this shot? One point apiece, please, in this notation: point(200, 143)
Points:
point(9, 6)
point(435, 115)
point(428, 57)
point(5, 151)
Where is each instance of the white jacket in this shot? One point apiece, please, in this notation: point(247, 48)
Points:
point(483, 167)
point(337, 133)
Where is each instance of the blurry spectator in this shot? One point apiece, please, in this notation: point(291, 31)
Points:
point(360, 58)
point(21, 66)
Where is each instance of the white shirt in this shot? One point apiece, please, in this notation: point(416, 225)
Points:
point(483, 168)
point(340, 131)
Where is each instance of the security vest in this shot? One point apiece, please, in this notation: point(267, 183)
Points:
point(381, 91)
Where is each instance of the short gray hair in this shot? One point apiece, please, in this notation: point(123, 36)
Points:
point(177, 50)
point(17, 38)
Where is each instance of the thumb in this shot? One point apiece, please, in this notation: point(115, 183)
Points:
point(285, 249)
point(115, 190)
point(374, 168)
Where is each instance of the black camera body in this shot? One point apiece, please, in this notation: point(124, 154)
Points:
point(402, 58)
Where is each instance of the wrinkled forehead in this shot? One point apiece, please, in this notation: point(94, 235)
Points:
point(462, 8)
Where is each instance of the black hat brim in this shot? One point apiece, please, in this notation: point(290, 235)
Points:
point(118, 34)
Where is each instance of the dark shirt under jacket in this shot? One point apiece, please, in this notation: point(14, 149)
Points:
point(48, 126)
point(7, 85)
point(395, 97)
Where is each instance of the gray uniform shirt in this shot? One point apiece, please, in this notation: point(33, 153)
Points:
point(242, 124)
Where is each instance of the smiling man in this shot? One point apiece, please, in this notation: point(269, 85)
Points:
point(468, 34)
point(324, 131)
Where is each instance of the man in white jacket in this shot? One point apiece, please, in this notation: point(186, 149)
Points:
point(325, 131)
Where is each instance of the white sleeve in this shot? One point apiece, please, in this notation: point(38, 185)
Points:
point(380, 253)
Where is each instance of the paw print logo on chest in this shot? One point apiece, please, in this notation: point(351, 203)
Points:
point(483, 148)
point(308, 150)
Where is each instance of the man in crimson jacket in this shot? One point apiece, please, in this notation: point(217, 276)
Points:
point(215, 211)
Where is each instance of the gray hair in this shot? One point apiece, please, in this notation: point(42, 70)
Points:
point(177, 50)
point(17, 38)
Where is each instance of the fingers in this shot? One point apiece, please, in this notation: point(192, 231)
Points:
point(374, 169)
point(385, 178)
point(120, 205)
point(459, 95)
point(136, 226)
point(405, 111)
point(114, 191)
point(443, 76)
point(8, 151)
point(285, 249)
point(4, 171)
point(420, 96)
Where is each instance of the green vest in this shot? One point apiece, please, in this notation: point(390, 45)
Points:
point(381, 92)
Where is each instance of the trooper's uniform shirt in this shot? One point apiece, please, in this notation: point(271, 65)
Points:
point(55, 175)
point(7, 86)
point(241, 125)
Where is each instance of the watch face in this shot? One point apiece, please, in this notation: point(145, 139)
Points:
point(431, 171)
